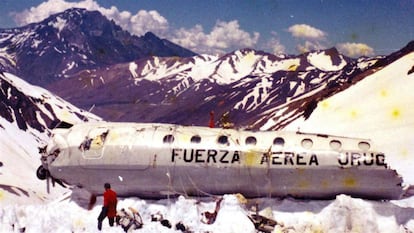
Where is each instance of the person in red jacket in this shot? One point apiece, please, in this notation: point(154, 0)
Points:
point(109, 206)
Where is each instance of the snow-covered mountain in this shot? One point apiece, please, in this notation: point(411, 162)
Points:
point(377, 107)
point(246, 84)
point(92, 63)
point(27, 113)
point(74, 40)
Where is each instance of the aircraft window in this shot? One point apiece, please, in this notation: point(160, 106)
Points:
point(223, 139)
point(251, 140)
point(364, 145)
point(307, 143)
point(335, 144)
point(279, 141)
point(195, 139)
point(168, 138)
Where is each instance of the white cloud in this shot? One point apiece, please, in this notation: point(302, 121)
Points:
point(355, 49)
point(223, 37)
point(312, 38)
point(306, 32)
point(310, 46)
point(274, 45)
point(144, 21)
point(138, 24)
point(191, 38)
point(45, 9)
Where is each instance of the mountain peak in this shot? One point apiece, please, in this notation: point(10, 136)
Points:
point(74, 40)
point(328, 59)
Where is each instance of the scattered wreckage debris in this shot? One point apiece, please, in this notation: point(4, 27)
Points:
point(157, 217)
point(83, 198)
point(210, 217)
point(261, 222)
point(129, 221)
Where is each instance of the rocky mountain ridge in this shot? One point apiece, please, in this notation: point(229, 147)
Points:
point(75, 40)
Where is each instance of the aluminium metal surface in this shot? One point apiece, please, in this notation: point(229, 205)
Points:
point(155, 160)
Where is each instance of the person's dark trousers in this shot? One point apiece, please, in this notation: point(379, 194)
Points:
point(111, 221)
point(102, 216)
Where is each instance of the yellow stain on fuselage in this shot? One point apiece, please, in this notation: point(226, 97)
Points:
point(251, 158)
point(303, 184)
point(113, 136)
point(324, 184)
point(184, 138)
point(350, 182)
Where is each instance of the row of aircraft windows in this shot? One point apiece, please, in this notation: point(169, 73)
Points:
point(306, 143)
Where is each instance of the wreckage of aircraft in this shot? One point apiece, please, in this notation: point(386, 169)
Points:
point(156, 160)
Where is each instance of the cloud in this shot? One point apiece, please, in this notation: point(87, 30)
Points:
point(138, 24)
point(274, 45)
point(145, 21)
point(224, 36)
point(45, 9)
point(308, 46)
point(310, 37)
point(306, 32)
point(355, 49)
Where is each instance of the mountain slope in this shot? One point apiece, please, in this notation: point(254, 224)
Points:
point(26, 117)
point(246, 85)
point(378, 107)
point(74, 40)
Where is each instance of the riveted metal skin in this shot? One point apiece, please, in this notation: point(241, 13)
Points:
point(158, 160)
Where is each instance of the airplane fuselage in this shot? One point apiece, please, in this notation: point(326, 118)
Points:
point(156, 160)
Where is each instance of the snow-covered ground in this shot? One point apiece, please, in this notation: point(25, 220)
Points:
point(344, 214)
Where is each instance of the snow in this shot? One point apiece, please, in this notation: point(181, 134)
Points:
point(378, 107)
point(133, 69)
point(59, 24)
point(61, 108)
point(36, 43)
point(258, 94)
point(324, 62)
point(344, 214)
point(160, 67)
point(287, 65)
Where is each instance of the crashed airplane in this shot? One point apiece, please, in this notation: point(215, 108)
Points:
point(157, 160)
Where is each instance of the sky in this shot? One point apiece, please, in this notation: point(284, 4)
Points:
point(355, 27)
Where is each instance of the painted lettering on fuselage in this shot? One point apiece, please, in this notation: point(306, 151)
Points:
point(345, 159)
point(205, 156)
point(290, 159)
point(276, 158)
point(361, 159)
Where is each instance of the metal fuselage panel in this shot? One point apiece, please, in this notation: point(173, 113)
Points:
point(155, 160)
